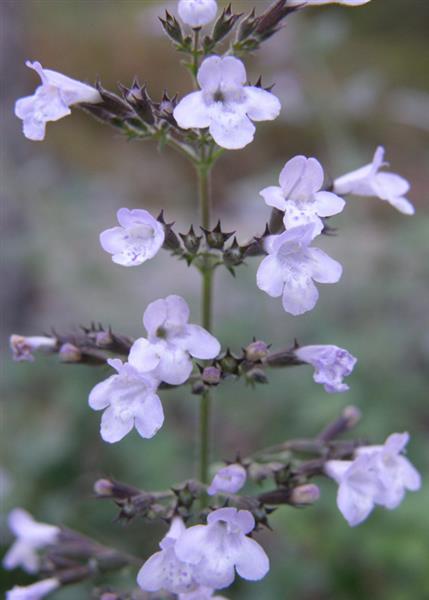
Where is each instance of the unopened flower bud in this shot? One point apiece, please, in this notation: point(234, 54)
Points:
point(229, 363)
point(256, 351)
point(198, 388)
point(304, 495)
point(69, 353)
point(256, 375)
point(104, 488)
point(233, 255)
point(22, 347)
point(353, 415)
point(211, 375)
point(109, 596)
point(103, 339)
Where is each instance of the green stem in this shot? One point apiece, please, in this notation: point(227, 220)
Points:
point(203, 171)
point(195, 54)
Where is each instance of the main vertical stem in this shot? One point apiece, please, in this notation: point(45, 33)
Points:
point(204, 190)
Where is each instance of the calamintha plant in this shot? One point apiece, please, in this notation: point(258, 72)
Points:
point(211, 521)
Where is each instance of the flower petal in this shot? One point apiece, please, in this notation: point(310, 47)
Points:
point(328, 204)
point(143, 355)
point(149, 417)
point(230, 133)
point(114, 428)
point(300, 295)
point(151, 576)
point(155, 316)
point(175, 366)
point(192, 111)
point(190, 545)
point(261, 105)
point(210, 73)
point(200, 343)
point(273, 196)
point(269, 277)
point(99, 397)
point(177, 311)
point(252, 563)
point(354, 506)
point(324, 269)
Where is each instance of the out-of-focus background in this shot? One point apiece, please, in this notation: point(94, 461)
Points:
point(349, 79)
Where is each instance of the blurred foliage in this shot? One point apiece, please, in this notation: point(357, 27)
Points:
point(348, 80)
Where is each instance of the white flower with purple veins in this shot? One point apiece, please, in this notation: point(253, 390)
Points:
point(30, 537)
point(331, 364)
point(396, 473)
point(378, 475)
point(197, 13)
point(292, 265)
point(164, 570)
point(228, 480)
point(225, 104)
point(299, 196)
point(35, 591)
point(138, 237)
point(369, 181)
point(171, 341)
point(221, 546)
point(51, 100)
point(129, 400)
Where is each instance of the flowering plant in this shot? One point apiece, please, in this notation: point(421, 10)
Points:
point(213, 524)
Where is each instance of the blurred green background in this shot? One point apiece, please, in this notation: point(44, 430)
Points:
point(349, 79)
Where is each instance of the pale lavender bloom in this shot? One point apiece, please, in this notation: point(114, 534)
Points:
point(379, 475)
point(138, 238)
point(299, 195)
point(171, 342)
point(225, 104)
point(321, 2)
point(396, 472)
point(229, 479)
point(22, 347)
point(129, 399)
point(369, 181)
point(51, 100)
point(35, 591)
point(197, 13)
point(220, 546)
point(331, 364)
point(164, 570)
point(292, 265)
point(30, 537)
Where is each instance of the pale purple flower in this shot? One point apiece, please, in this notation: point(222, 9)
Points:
point(51, 100)
point(171, 342)
point(322, 2)
point(378, 475)
point(220, 546)
point(229, 480)
point(35, 591)
point(164, 570)
point(30, 537)
point(292, 265)
point(138, 238)
point(23, 347)
point(129, 400)
point(396, 473)
point(299, 196)
point(225, 104)
point(331, 364)
point(197, 13)
point(369, 181)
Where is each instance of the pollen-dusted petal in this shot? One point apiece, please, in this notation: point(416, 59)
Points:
point(261, 105)
point(192, 111)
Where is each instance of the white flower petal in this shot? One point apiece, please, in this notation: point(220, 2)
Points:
point(149, 416)
point(230, 133)
point(190, 545)
point(151, 576)
point(328, 204)
point(197, 13)
point(209, 74)
point(354, 506)
point(253, 563)
point(177, 311)
point(301, 177)
point(113, 428)
point(143, 355)
point(403, 205)
point(261, 105)
point(192, 111)
point(175, 366)
point(200, 343)
point(300, 295)
point(324, 269)
point(273, 196)
point(269, 277)
point(155, 316)
point(21, 554)
point(99, 397)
